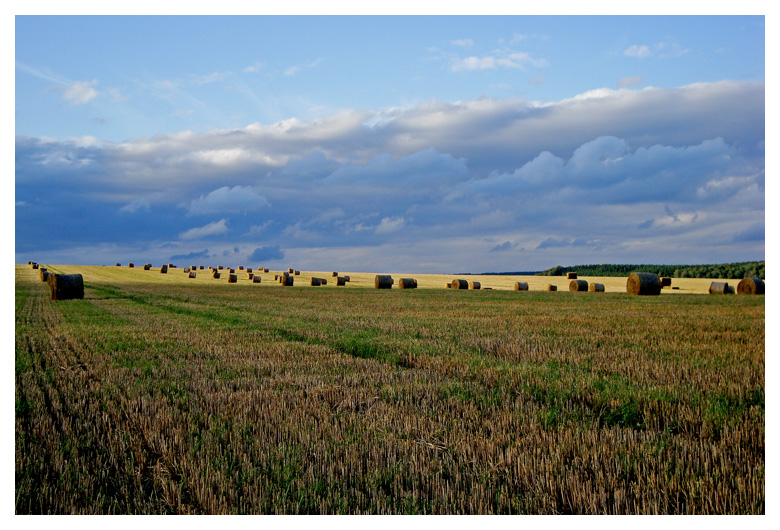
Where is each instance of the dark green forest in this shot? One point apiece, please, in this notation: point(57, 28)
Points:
point(746, 269)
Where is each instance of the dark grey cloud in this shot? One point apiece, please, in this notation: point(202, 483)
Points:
point(201, 255)
point(270, 253)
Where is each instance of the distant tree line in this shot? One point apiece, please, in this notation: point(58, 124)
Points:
point(746, 269)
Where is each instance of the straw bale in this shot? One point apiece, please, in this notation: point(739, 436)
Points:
point(249, 275)
point(719, 288)
point(666, 281)
point(751, 286)
point(459, 284)
point(215, 274)
point(571, 275)
point(256, 279)
point(474, 285)
point(66, 286)
point(44, 274)
point(578, 285)
point(596, 287)
point(341, 280)
point(315, 282)
point(407, 283)
point(193, 274)
point(334, 274)
point(521, 286)
point(147, 267)
point(287, 281)
point(551, 287)
point(643, 283)
point(164, 269)
point(130, 265)
point(383, 281)
point(232, 278)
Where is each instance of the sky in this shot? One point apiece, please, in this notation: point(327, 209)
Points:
point(429, 144)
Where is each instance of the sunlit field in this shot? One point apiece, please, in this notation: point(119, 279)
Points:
point(158, 393)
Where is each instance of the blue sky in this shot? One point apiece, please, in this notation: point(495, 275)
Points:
point(421, 144)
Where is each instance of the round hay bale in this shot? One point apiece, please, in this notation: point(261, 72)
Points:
point(383, 281)
point(750, 286)
point(290, 270)
point(219, 267)
point(596, 287)
point(118, 264)
point(297, 273)
point(192, 274)
point(449, 286)
point(459, 284)
point(341, 280)
point(200, 267)
point(249, 275)
point(232, 278)
point(164, 269)
point(44, 274)
point(66, 286)
point(240, 267)
point(265, 270)
point(521, 286)
point(475, 285)
point(551, 287)
point(571, 275)
point(666, 281)
point(407, 283)
point(334, 274)
point(346, 279)
point(215, 275)
point(186, 270)
point(643, 283)
point(719, 288)
point(276, 277)
point(287, 281)
point(315, 282)
point(130, 265)
point(147, 267)
point(232, 271)
point(256, 279)
point(578, 285)
point(323, 281)
point(249, 269)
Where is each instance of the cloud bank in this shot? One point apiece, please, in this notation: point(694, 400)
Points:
point(612, 175)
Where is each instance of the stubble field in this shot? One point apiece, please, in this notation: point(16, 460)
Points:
point(162, 394)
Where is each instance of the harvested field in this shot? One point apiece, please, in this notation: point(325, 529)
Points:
point(160, 394)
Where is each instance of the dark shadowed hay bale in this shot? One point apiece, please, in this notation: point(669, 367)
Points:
point(346, 279)
point(643, 283)
point(44, 274)
point(449, 286)
point(200, 267)
point(232, 278)
point(164, 269)
point(34, 265)
point(130, 265)
point(287, 281)
point(297, 273)
point(521, 286)
point(407, 283)
point(186, 270)
point(249, 275)
point(571, 275)
point(193, 274)
point(256, 279)
point(118, 264)
point(66, 286)
point(240, 267)
point(719, 288)
point(552, 287)
point(290, 270)
point(323, 281)
point(750, 286)
point(232, 271)
point(596, 288)
point(383, 281)
point(578, 285)
point(215, 275)
point(475, 285)
point(147, 267)
point(459, 284)
point(249, 269)
point(193, 267)
point(219, 267)
point(666, 281)
point(341, 280)
point(315, 282)
point(334, 274)
point(276, 277)
point(265, 270)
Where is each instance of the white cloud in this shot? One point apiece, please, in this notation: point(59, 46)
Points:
point(463, 42)
point(80, 92)
point(238, 199)
point(627, 82)
point(389, 225)
point(637, 51)
point(499, 59)
point(211, 229)
point(134, 206)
